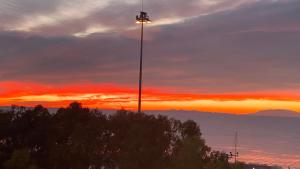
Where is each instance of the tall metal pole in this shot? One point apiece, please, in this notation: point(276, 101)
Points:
point(142, 18)
point(141, 67)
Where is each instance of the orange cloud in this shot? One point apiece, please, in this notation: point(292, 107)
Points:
point(111, 96)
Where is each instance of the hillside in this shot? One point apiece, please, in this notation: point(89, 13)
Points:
point(277, 113)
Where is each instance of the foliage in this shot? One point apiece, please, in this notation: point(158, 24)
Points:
point(79, 138)
point(218, 160)
point(20, 159)
point(238, 165)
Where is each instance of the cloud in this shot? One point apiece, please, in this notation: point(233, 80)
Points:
point(27, 15)
point(249, 47)
point(61, 17)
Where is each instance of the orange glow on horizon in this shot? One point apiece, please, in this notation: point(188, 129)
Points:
point(110, 96)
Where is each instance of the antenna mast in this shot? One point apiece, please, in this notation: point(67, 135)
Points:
point(236, 153)
point(235, 146)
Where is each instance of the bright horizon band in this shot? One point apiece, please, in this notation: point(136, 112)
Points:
point(114, 97)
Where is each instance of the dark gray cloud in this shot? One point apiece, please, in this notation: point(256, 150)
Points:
point(251, 48)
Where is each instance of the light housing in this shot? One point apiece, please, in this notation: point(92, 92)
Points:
point(143, 18)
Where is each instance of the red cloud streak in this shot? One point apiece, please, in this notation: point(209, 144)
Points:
point(112, 96)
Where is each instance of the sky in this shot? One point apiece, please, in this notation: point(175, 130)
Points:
point(232, 56)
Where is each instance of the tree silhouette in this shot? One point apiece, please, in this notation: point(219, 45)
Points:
point(80, 138)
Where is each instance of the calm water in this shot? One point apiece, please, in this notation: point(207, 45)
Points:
point(268, 140)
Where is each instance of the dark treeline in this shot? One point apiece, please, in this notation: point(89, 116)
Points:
point(81, 138)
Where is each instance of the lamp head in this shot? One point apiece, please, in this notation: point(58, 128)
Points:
point(143, 18)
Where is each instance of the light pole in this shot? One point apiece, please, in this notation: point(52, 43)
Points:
point(142, 18)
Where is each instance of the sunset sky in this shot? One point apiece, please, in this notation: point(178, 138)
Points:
point(232, 56)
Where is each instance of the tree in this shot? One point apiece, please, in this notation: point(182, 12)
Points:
point(238, 165)
point(80, 138)
point(140, 140)
point(190, 151)
point(218, 160)
point(5, 135)
point(20, 159)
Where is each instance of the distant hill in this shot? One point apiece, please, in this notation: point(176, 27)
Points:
point(5, 108)
point(277, 113)
point(177, 113)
